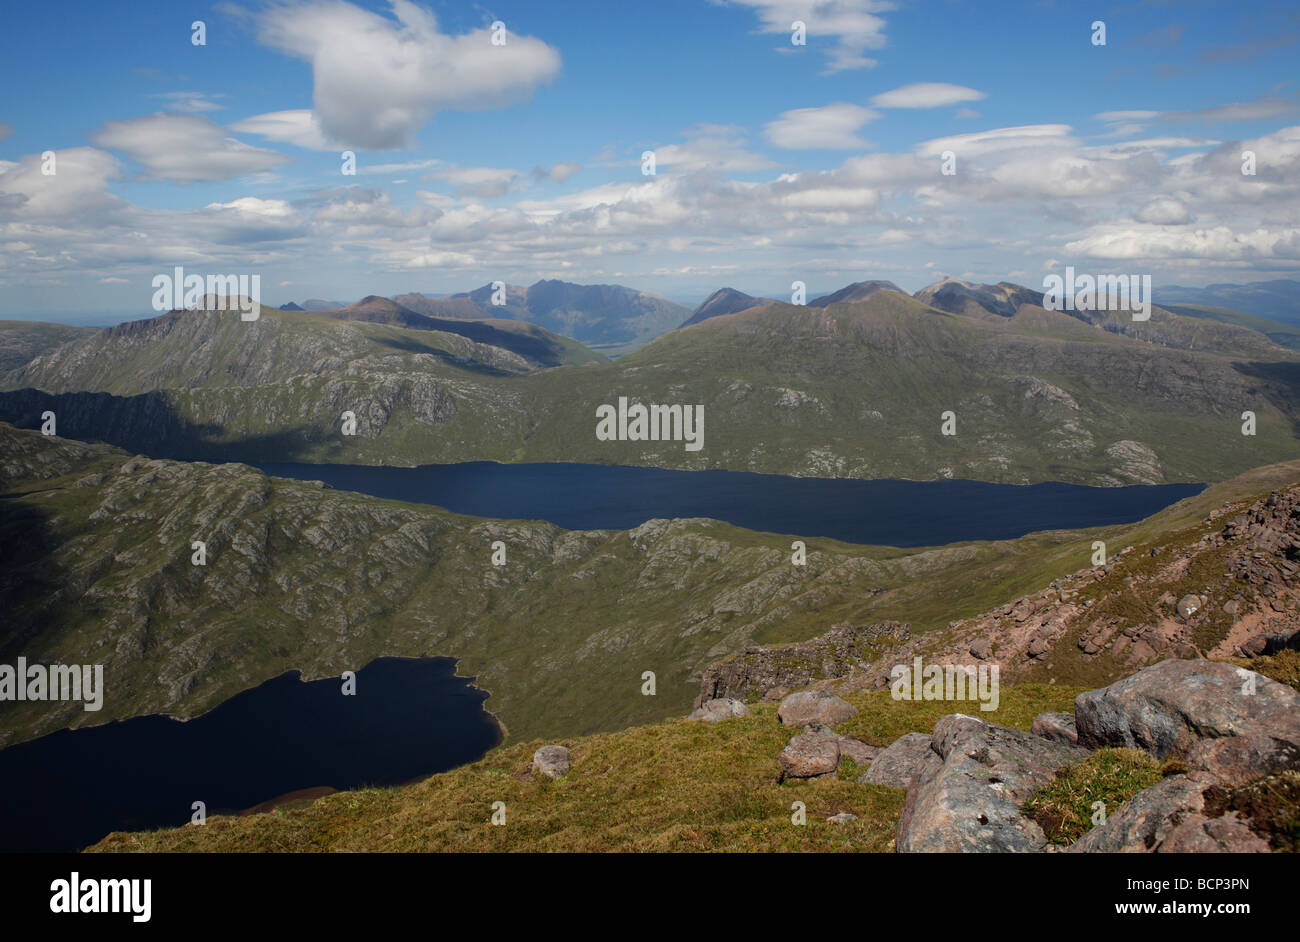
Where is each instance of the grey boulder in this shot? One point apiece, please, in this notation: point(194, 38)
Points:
point(814, 706)
point(722, 708)
point(552, 761)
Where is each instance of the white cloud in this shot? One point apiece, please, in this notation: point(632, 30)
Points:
point(485, 182)
point(299, 127)
point(832, 127)
point(377, 80)
point(1260, 110)
point(184, 148)
point(714, 147)
point(1159, 242)
point(926, 95)
point(1112, 116)
point(559, 172)
point(999, 139)
point(852, 23)
point(190, 101)
point(77, 190)
point(1164, 211)
point(253, 206)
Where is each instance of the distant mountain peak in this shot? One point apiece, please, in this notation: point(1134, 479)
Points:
point(724, 301)
point(858, 291)
point(957, 297)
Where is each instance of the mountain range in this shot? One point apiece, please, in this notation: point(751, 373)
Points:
point(609, 316)
point(844, 388)
point(1277, 300)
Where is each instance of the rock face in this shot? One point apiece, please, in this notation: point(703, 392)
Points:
point(1237, 733)
point(842, 649)
point(1169, 818)
point(720, 709)
point(971, 802)
point(814, 706)
point(900, 762)
point(551, 761)
point(1172, 706)
point(811, 754)
point(1058, 727)
point(1144, 613)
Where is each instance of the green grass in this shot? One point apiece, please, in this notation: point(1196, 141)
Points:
point(677, 785)
point(1284, 666)
point(1064, 808)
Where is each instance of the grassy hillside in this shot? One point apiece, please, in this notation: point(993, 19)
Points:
point(1286, 335)
point(21, 341)
point(672, 786)
point(849, 390)
point(304, 578)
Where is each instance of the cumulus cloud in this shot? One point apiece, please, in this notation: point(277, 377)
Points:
point(1160, 242)
point(184, 148)
point(832, 127)
point(77, 190)
point(715, 147)
point(1164, 211)
point(299, 127)
point(379, 79)
point(926, 95)
point(249, 220)
point(853, 24)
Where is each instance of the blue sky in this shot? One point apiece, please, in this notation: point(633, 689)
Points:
point(775, 162)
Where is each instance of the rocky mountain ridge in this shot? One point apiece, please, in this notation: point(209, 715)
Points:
point(1040, 395)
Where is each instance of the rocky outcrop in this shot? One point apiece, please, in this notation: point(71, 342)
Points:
point(971, 801)
point(1171, 817)
point(1230, 728)
point(1173, 706)
point(1136, 610)
point(721, 709)
point(837, 653)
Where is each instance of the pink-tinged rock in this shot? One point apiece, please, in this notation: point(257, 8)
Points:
point(1240, 760)
point(1171, 706)
point(810, 755)
point(1197, 834)
point(971, 803)
point(814, 706)
point(1058, 727)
